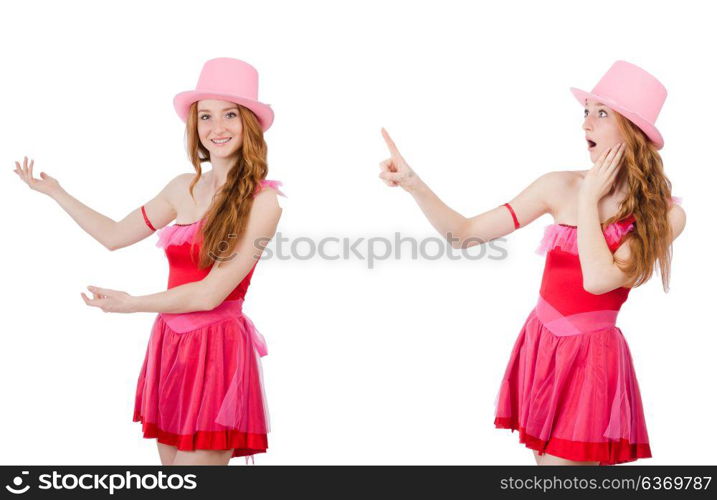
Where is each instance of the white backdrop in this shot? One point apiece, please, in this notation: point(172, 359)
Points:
point(398, 364)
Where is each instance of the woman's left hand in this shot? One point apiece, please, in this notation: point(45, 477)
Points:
point(110, 300)
point(600, 179)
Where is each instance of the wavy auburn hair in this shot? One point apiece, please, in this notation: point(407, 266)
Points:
point(649, 199)
point(228, 214)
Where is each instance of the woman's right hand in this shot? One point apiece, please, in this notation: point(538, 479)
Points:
point(395, 171)
point(46, 184)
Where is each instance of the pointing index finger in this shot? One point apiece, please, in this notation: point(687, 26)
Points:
point(391, 145)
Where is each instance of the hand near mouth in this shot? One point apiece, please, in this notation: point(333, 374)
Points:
point(601, 177)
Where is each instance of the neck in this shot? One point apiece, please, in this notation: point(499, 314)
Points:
point(217, 176)
point(620, 189)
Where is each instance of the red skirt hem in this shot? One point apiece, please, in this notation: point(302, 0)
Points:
point(243, 443)
point(606, 453)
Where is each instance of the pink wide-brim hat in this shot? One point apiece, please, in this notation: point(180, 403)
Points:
point(632, 92)
point(227, 79)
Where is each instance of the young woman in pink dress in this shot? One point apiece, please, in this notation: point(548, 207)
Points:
point(570, 389)
point(199, 391)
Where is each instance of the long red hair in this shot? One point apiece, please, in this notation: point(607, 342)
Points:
point(649, 200)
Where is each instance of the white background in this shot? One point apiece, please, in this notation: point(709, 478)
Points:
point(399, 364)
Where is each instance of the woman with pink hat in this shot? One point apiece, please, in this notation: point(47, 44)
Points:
point(199, 391)
point(570, 388)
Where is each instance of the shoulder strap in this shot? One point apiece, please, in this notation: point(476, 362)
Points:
point(272, 184)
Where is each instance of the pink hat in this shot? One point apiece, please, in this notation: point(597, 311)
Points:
point(230, 80)
point(632, 92)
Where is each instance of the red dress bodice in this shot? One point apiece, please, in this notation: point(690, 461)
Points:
point(562, 284)
point(182, 243)
point(182, 269)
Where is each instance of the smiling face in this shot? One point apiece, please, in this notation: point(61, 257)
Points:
point(601, 128)
point(216, 122)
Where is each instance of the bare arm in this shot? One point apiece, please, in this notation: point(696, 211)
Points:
point(180, 299)
point(118, 234)
point(601, 273)
point(111, 234)
point(528, 205)
point(160, 211)
point(185, 298)
point(461, 231)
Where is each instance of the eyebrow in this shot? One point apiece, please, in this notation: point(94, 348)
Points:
point(225, 109)
point(598, 104)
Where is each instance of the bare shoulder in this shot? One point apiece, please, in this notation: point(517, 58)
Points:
point(556, 186)
point(267, 198)
point(179, 184)
point(573, 178)
point(678, 219)
point(560, 180)
point(172, 191)
point(265, 212)
point(182, 181)
point(567, 183)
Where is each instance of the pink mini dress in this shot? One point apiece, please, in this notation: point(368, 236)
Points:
point(200, 386)
point(570, 388)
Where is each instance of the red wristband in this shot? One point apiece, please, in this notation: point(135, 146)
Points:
point(512, 213)
point(144, 214)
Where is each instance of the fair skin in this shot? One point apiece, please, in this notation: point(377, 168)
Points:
point(582, 198)
point(174, 203)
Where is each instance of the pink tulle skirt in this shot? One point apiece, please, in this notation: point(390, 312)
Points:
point(200, 386)
point(573, 396)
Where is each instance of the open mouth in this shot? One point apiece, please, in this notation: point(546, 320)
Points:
point(591, 144)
